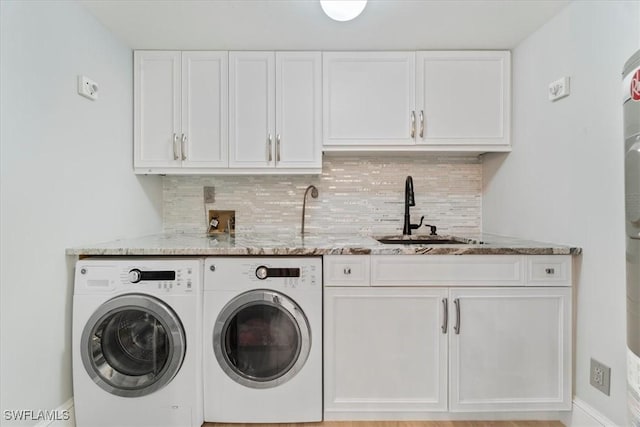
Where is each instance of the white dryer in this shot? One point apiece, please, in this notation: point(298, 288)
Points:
point(137, 342)
point(262, 339)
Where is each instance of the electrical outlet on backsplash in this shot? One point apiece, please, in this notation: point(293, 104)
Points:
point(363, 195)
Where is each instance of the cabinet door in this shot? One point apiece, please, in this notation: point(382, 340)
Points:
point(464, 98)
point(251, 109)
point(385, 351)
point(298, 110)
point(156, 109)
point(513, 349)
point(204, 109)
point(368, 98)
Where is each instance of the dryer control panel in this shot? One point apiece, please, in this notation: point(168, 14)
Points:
point(263, 272)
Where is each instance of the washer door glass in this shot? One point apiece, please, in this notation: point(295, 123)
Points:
point(133, 345)
point(261, 339)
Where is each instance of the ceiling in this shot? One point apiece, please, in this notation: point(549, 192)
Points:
point(301, 24)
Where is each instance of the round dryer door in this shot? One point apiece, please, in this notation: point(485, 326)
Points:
point(133, 345)
point(261, 339)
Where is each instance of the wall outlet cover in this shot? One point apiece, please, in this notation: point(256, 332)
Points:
point(600, 376)
point(559, 89)
point(87, 88)
point(209, 194)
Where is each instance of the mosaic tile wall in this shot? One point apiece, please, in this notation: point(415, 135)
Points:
point(357, 194)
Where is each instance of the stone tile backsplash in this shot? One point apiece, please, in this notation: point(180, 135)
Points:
point(358, 194)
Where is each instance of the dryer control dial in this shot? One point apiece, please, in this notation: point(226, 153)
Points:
point(135, 275)
point(262, 272)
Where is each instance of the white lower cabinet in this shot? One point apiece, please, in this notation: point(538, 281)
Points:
point(394, 352)
point(384, 350)
point(511, 351)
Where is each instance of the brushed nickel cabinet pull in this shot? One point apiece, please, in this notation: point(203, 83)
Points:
point(445, 316)
point(413, 124)
point(269, 139)
point(277, 147)
point(176, 153)
point(456, 327)
point(183, 146)
point(421, 124)
point(347, 270)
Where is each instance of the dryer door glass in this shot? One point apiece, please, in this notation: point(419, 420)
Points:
point(262, 342)
point(133, 345)
point(262, 339)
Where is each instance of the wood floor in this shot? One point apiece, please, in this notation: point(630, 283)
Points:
point(402, 424)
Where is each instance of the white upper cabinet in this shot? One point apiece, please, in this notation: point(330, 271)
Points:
point(298, 110)
point(424, 101)
point(251, 109)
point(157, 109)
point(180, 104)
point(369, 98)
point(274, 111)
point(463, 98)
point(204, 109)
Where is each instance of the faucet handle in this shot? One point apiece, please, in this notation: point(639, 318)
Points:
point(415, 226)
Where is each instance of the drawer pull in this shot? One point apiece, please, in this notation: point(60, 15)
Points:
point(550, 270)
point(347, 270)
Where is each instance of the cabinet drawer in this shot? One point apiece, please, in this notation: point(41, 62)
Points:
point(449, 270)
point(549, 270)
point(346, 270)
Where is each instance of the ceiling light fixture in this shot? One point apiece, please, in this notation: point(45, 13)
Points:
point(343, 10)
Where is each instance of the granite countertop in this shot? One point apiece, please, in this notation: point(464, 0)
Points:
point(314, 244)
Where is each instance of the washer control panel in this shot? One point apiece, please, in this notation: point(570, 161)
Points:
point(148, 279)
point(136, 275)
point(154, 276)
point(264, 272)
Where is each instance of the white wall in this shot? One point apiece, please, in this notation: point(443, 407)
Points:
point(66, 168)
point(563, 182)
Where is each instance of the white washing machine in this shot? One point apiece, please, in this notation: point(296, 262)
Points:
point(137, 342)
point(262, 339)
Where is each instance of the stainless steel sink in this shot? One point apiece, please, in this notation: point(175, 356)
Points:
point(425, 240)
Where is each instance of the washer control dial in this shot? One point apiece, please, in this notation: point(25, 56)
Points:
point(135, 275)
point(261, 272)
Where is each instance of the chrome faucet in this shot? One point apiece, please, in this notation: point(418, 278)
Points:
point(314, 194)
point(409, 200)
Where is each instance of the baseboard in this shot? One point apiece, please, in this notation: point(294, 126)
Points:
point(62, 416)
point(584, 415)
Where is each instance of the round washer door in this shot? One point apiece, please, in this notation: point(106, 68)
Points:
point(133, 345)
point(261, 339)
